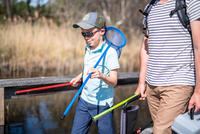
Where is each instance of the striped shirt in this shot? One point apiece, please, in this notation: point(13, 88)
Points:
point(171, 56)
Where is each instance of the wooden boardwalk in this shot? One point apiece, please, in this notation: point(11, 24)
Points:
point(6, 85)
point(123, 78)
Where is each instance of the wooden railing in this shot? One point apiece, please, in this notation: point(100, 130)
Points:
point(7, 84)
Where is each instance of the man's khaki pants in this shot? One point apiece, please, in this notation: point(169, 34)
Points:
point(165, 104)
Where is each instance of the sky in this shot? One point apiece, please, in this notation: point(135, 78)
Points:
point(35, 3)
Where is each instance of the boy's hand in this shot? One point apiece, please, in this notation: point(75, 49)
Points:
point(95, 73)
point(76, 81)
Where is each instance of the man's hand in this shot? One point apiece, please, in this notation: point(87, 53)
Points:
point(141, 90)
point(195, 101)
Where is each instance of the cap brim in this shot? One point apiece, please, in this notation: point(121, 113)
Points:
point(83, 25)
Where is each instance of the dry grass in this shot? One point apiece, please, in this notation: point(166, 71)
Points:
point(47, 50)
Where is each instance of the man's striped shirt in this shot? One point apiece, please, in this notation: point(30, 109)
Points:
point(171, 56)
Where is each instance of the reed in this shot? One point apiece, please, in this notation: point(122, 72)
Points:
point(28, 50)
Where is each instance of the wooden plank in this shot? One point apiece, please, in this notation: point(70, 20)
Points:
point(2, 119)
point(128, 78)
point(122, 78)
point(34, 81)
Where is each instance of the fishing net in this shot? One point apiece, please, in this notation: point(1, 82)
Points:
point(116, 38)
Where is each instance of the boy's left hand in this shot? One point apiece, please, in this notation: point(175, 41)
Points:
point(95, 73)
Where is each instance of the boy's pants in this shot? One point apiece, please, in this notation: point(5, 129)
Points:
point(83, 118)
point(165, 104)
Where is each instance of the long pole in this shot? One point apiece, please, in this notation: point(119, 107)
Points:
point(136, 96)
point(43, 88)
point(81, 88)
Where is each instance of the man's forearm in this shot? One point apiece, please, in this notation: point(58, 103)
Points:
point(195, 26)
point(143, 62)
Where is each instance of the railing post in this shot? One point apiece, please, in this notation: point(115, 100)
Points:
point(2, 119)
point(1, 129)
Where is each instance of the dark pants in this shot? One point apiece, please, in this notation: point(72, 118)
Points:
point(83, 118)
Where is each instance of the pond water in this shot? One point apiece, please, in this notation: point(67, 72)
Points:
point(41, 114)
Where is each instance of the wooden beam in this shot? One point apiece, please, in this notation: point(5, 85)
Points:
point(34, 81)
point(123, 78)
point(2, 119)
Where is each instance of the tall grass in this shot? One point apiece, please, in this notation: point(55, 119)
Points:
point(28, 50)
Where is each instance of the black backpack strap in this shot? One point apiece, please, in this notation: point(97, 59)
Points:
point(180, 9)
point(146, 13)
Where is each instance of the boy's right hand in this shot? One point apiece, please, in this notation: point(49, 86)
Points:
point(75, 81)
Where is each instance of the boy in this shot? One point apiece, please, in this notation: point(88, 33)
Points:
point(97, 94)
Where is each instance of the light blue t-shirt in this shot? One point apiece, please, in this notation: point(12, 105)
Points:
point(96, 91)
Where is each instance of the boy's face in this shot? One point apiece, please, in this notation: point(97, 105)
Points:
point(93, 36)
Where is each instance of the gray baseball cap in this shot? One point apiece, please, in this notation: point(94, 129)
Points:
point(90, 20)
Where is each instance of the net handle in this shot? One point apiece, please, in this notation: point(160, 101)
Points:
point(121, 34)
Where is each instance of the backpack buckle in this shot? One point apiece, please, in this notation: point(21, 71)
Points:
point(144, 13)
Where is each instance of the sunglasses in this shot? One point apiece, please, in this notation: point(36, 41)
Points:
point(88, 34)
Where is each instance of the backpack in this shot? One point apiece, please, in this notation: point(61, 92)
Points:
point(180, 9)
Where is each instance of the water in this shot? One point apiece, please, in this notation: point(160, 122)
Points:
point(41, 114)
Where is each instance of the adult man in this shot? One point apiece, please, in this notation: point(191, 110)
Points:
point(170, 64)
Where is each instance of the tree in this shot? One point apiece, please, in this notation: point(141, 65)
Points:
point(8, 9)
point(28, 7)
